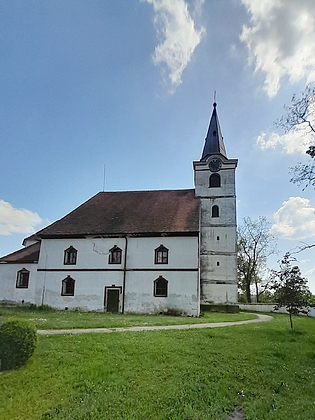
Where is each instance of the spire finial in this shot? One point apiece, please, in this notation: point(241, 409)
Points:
point(214, 99)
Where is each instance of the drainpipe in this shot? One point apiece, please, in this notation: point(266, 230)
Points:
point(124, 276)
point(44, 285)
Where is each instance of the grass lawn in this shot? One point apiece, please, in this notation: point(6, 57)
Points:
point(264, 368)
point(53, 319)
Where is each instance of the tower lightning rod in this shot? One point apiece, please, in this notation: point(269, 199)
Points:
point(104, 177)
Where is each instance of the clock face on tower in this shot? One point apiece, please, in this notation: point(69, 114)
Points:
point(215, 165)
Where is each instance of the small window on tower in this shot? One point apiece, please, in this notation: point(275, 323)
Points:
point(215, 211)
point(161, 255)
point(215, 181)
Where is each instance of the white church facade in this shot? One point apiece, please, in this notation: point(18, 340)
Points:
point(137, 251)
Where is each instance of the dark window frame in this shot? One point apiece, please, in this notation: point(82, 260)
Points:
point(161, 255)
point(67, 286)
point(215, 181)
point(215, 211)
point(160, 288)
point(70, 256)
point(22, 278)
point(115, 255)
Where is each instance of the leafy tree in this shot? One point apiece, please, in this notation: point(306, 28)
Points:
point(254, 245)
point(291, 290)
point(300, 117)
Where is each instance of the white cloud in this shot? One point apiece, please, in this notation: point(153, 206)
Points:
point(292, 142)
point(310, 272)
point(294, 220)
point(179, 36)
point(281, 40)
point(17, 220)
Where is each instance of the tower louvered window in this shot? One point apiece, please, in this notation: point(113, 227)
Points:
point(215, 181)
point(215, 211)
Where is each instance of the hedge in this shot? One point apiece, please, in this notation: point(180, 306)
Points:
point(18, 339)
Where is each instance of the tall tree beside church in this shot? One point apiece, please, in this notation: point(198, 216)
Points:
point(291, 290)
point(300, 118)
point(254, 245)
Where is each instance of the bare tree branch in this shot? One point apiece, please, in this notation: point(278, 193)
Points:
point(300, 117)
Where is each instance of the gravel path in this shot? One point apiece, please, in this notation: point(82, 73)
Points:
point(260, 318)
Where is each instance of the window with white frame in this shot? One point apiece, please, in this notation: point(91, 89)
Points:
point(70, 256)
point(67, 286)
point(22, 279)
point(115, 255)
point(160, 287)
point(161, 255)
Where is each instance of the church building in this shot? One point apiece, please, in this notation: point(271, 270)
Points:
point(137, 251)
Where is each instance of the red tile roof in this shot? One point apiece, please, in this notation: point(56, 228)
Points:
point(130, 212)
point(25, 255)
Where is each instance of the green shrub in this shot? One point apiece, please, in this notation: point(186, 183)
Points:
point(18, 339)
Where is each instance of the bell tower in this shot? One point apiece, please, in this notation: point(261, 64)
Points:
point(214, 177)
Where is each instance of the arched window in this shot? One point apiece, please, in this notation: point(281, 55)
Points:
point(70, 256)
point(161, 255)
point(215, 181)
point(215, 211)
point(67, 287)
point(22, 279)
point(160, 287)
point(115, 255)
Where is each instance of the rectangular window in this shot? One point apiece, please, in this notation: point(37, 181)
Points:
point(161, 255)
point(22, 279)
point(115, 255)
point(160, 287)
point(70, 256)
point(67, 286)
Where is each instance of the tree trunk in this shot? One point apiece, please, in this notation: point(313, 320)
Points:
point(257, 292)
point(291, 320)
point(248, 297)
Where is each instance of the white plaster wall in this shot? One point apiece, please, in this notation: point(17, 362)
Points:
point(91, 252)
point(92, 273)
point(227, 211)
point(8, 276)
point(226, 242)
point(217, 283)
point(202, 175)
point(88, 293)
point(219, 293)
point(183, 293)
point(225, 272)
point(183, 252)
point(261, 307)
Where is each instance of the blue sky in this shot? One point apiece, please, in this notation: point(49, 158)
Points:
point(130, 85)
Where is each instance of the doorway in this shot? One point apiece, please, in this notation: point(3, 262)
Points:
point(111, 301)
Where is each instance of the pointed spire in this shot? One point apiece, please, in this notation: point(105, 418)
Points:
point(214, 144)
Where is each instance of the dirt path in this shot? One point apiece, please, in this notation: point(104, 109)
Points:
point(260, 318)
